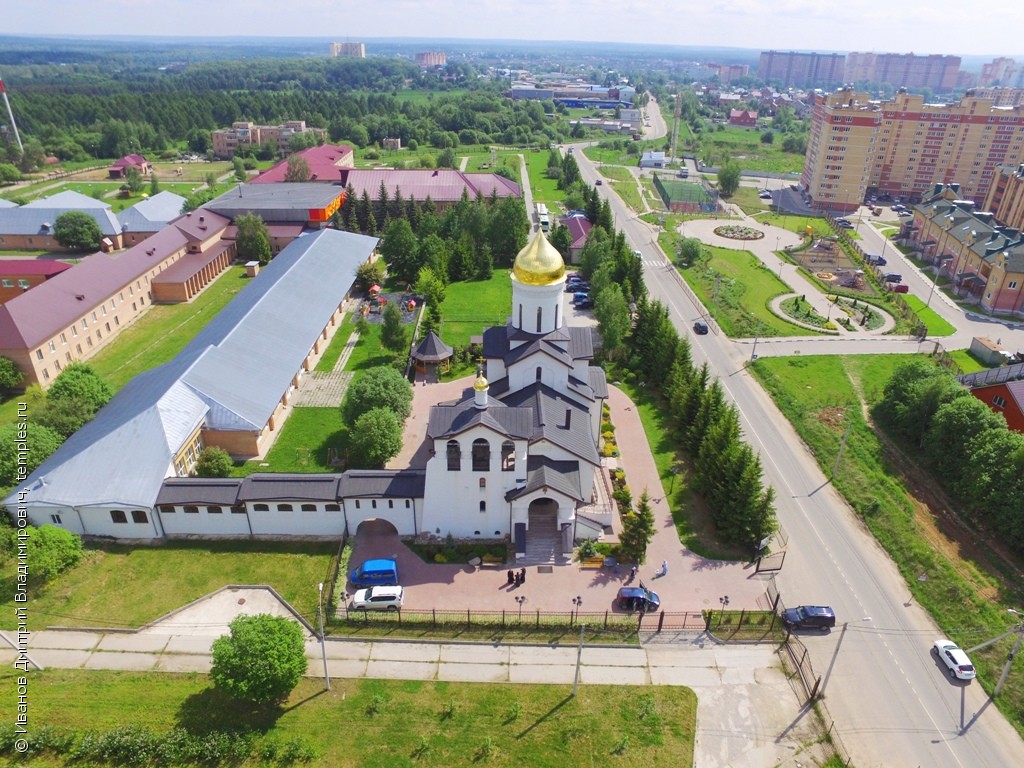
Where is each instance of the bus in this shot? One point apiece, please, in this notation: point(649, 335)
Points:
point(542, 217)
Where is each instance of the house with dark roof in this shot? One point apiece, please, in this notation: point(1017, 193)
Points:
point(120, 168)
point(743, 117)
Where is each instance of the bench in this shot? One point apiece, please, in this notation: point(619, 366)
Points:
point(597, 561)
point(492, 560)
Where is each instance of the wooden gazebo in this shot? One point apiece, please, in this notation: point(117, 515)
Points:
point(432, 351)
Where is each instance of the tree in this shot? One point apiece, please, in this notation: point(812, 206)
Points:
point(239, 167)
point(382, 387)
point(369, 274)
point(253, 238)
point(154, 185)
point(392, 334)
point(134, 180)
point(261, 660)
point(690, 250)
point(507, 229)
point(729, 178)
point(80, 381)
point(214, 462)
point(612, 313)
point(376, 438)
point(400, 251)
point(637, 530)
point(767, 137)
point(78, 231)
point(64, 415)
point(298, 169)
point(39, 441)
point(430, 287)
point(952, 428)
point(10, 374)
point(51, 551)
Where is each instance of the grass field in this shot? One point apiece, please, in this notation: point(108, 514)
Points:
point(305, 444)
point(968, 363)
point(545, 190)
point(122, 586)
point(937, 326)
point(616, 173)
point(737, 289)
point(627, 190)
point(968, 586)
point(392, 723)
point(471, 306)
point(744, 146)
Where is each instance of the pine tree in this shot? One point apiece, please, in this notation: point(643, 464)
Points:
point(712, 401)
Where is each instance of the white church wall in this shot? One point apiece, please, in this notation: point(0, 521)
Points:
point(537, 308)
point(290, 519)
point(100, 521)
point(63, 517)
point(202, 520)
point(404, 514)
point(552, 373)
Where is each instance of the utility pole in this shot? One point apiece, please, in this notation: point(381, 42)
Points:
point(579, 656)
point(323, 638)
point(10, 115)
point(842, 447)
point(1019, 629)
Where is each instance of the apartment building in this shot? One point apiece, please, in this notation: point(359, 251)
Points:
point(227, 141)
point(905, 70)
point(1001, 71)
point(431, 59)
point(727, 73)
point(904, 147)
point(348, 50)
point(1005, 198)
point(791, 69)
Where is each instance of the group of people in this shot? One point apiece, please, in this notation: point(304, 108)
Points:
point(517, 577)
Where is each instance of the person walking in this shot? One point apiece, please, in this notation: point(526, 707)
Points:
point(522, 576)
point(664, 567)
point(511, 576)
point(632, 573)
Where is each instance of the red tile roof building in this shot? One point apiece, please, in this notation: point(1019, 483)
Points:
point(18, 275)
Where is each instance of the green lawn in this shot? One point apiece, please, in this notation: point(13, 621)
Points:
point(308, 440)
point(744, 146)
point(127, 586)
point(968, 587)
point(545, 190)
point(388, 723)
point(627, 190)
point(968, 363)
point(164, 330)
point(736, 289)
point(471, 306)
point(937, 326)
point(616, 172)
point(746, 198)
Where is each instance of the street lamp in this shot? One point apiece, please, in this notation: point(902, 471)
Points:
point(724, 601)
point(579, 657)
point(520, 599)
point(323, 638)
point(1019, 629)
point(931, 291)
point(578, 602)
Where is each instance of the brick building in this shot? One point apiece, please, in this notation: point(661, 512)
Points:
point(227, 141)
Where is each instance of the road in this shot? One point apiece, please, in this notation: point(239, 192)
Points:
point(892, 704)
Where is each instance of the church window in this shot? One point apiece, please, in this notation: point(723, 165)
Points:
point(483, 508)
point(540, 313)
point(540, 371)
point(508, 456)
point(454, 456)
point(483, 483)
point(481, 455)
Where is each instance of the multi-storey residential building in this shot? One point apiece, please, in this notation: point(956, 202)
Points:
point(1000, 71)
point(726, 73)
point(790, 69)
point(1001, 97)
point(431, 59)
point(903, 147)
point(227, 141)
point(348, 50)
point(905, 70)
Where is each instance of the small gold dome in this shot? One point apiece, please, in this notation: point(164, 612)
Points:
point(539, 263)
point(481, 383)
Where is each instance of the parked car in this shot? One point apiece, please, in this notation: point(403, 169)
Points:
point(893, 277)
point(580, 296)
point(878, 260)
point(701, 329)
point(901, 288)
point(638, 599)
point(764, 194)
point(809, 617)
point(587, 303)
point(598, 183)
point(844, 223)
point(388, 598)
point(381, 571)
point(576, 286)
point(956, 661)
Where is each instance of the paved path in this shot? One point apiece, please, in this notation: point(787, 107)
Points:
point(747, 712)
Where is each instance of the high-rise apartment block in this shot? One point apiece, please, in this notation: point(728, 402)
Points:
point(1005, 198)
point(227, 141)
point(1001, 71)
point(904, 147)
point(904, 70)
point(790, 69)
point(348, 50)
point(726, 73)
point(431, 59)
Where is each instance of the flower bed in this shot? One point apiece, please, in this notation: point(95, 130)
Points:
point(738, 232)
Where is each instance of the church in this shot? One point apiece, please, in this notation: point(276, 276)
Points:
point(515, 457)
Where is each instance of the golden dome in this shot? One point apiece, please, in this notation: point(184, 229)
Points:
point(539, 263)
point(481, 383)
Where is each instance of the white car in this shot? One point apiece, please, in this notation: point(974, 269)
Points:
point(381, 598)
point(956, 661)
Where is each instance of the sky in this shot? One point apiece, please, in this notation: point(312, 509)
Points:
point(907, 26)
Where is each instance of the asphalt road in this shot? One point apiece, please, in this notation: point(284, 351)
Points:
point(893, 705)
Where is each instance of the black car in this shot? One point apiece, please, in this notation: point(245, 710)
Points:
point(701, 329)
point(638, 599)
point(587, 303)
point(809, 617)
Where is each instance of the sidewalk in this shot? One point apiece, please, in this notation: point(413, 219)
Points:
point(747, 713)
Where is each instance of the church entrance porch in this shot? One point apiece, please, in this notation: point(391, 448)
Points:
point(543, 536)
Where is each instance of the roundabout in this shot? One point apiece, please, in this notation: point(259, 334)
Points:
point(738, 232)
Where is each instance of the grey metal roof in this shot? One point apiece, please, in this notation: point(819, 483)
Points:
point(68, 199)
point(598, 381)
point(152, 214)
point(432, 349)
point(28, 221)
point(284, 487)
point(451, 420)
point(370, 483)
point(543, 472)
point(276, 202)
point(549, 408)
point(231, 376)
point(222, 491)
point(567, 343)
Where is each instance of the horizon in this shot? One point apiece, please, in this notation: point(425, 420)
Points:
point(862, 26)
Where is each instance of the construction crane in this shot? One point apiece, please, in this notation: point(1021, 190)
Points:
point(10, 115)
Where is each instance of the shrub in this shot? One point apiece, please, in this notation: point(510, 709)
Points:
point(214, 462)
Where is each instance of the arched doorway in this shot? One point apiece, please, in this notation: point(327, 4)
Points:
point(376, 526)
point(543, 540)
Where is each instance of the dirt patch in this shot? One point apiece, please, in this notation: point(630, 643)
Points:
point(833, 416)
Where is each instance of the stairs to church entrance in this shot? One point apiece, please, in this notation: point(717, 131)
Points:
point(543, 539)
